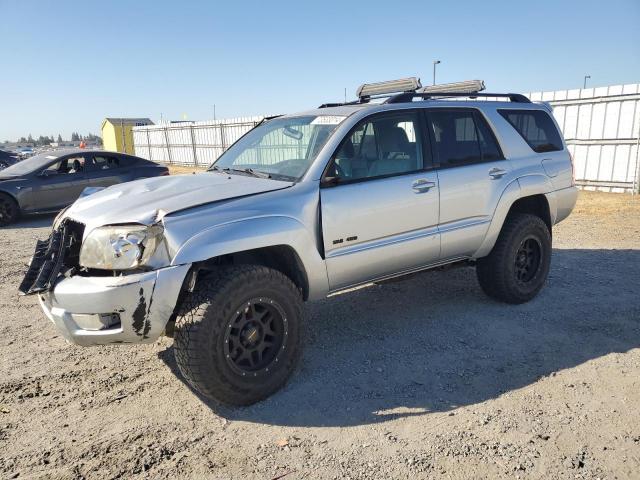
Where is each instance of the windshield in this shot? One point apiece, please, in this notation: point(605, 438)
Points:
point(30, 165)
point(282, 148)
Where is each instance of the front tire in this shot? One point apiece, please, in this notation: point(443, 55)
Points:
point(237, 336)
point(9, 210)
point(518, 266)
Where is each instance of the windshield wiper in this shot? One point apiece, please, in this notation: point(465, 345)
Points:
point(250, 171)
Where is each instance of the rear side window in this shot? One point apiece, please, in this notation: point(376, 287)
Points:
point(462, 137)
point(106, 162)
point(536, 128)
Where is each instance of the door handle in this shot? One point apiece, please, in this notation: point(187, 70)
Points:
point(422, 185)
point(496, 173)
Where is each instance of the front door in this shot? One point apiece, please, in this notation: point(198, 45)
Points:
point(379, 201)
point(60, 184)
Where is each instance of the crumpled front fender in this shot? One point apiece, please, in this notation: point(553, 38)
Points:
point(255, 233)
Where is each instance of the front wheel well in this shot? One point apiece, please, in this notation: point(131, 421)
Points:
point(278, 257)
point(536, 205)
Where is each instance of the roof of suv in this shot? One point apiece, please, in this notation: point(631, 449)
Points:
point(349, 109)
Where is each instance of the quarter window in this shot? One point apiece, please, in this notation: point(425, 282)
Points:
point(382, 146)
point(536, 128)
point(462, 137)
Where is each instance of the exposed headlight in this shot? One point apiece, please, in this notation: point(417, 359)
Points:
point(121, 248)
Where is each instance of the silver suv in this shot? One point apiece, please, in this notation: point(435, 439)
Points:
point(303, 206)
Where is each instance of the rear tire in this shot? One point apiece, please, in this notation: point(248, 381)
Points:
point(237, 336)
point(9, 210)
point(518, 266)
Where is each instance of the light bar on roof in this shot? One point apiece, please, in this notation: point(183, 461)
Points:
point(392, 86)
point(468, 86)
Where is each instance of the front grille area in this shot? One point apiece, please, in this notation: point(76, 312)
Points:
point(57, 255)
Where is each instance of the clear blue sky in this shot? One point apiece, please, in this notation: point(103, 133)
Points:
point(65, 65)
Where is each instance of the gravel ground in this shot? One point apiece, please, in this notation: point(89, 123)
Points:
point(425, 378)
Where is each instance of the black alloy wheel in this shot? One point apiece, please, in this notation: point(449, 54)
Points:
point(527, 261)
point(255, 337)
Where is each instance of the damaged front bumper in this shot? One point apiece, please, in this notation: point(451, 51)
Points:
point(103, 310)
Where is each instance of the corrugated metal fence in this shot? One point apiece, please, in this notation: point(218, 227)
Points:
point(601, 126)
point(190, 143)
point(602, 129)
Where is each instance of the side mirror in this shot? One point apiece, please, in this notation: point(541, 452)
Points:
point(329, 182)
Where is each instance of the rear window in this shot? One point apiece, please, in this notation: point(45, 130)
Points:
point(536, 128)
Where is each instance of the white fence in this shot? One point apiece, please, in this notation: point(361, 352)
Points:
point(602, 129)
point(601, 126)
point(190, 143)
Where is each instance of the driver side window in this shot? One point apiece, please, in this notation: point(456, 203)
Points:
point(67, 165)
point(385, 145)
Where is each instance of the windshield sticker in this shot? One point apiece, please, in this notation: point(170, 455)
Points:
point(327, 120)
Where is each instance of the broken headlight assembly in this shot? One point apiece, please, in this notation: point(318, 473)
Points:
point(124, 247)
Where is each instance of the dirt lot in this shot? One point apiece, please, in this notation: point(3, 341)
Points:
point(425, 378)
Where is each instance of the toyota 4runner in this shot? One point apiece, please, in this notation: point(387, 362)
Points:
point(303, 206)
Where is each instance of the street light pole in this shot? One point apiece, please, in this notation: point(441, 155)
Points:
point(585, 81)
point(435, 62)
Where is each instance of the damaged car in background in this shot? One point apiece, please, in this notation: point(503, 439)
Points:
point(53, 180)
point(401, 180)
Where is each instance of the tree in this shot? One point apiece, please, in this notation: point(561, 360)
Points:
point(75, 137)
point(30, 139)
point(22, 140)
point(59, 138)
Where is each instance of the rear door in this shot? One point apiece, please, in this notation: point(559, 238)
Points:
point(473, 173)
point(105, 170)
point(379, 201)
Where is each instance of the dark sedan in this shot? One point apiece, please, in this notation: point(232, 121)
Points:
point(50, 181)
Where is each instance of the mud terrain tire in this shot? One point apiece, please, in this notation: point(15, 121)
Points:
point(518, 266)
point(237, 336)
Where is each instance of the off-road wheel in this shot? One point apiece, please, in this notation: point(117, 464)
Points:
point(237, 336)
point(517, 267)
point(9, 210)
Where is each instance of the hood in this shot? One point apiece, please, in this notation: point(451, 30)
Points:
point(144, 201)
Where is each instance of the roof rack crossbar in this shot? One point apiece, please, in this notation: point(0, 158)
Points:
point(409, 96)
point(340, 104)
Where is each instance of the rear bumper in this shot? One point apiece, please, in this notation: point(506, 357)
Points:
point(104, 310)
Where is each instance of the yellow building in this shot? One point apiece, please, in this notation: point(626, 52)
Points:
point(117, 133)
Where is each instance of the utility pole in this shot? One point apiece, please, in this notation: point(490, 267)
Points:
point(585, 81)
point(435, 62)
point(214, 112)
point(345, 94)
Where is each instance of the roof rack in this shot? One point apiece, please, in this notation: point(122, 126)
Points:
point(409, 96)
point(406, 89)
point(370, 91)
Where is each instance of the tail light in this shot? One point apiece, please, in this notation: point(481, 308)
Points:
point(165, 173)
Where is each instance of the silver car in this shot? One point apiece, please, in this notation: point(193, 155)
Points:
point(303, 206)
